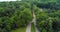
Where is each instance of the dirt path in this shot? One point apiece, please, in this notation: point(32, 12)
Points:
point(34, 20)
point(28, 29)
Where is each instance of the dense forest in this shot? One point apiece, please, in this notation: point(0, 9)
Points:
point(48, 16)
point(14, 15)
point(17, 14)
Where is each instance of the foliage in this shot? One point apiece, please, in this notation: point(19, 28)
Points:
point(14, 15)
point(48, 21)
point(33, 28)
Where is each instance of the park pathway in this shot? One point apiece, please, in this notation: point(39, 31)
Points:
point(28, 29)
point(34, 20)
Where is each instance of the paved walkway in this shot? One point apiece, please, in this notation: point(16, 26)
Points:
point(28, 29)
point(37, 29)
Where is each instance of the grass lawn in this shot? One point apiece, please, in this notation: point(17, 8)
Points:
point(23, 29)
point(32, 28)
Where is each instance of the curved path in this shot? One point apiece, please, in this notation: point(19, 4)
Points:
point(34, 20)
point(28, 29)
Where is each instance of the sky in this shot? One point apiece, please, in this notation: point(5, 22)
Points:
point(7, 0)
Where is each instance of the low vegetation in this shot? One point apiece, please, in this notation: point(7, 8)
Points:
point(22, 29)
point(33, 28)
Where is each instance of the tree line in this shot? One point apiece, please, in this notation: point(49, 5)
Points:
point(14, 15)
point(48, 20)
